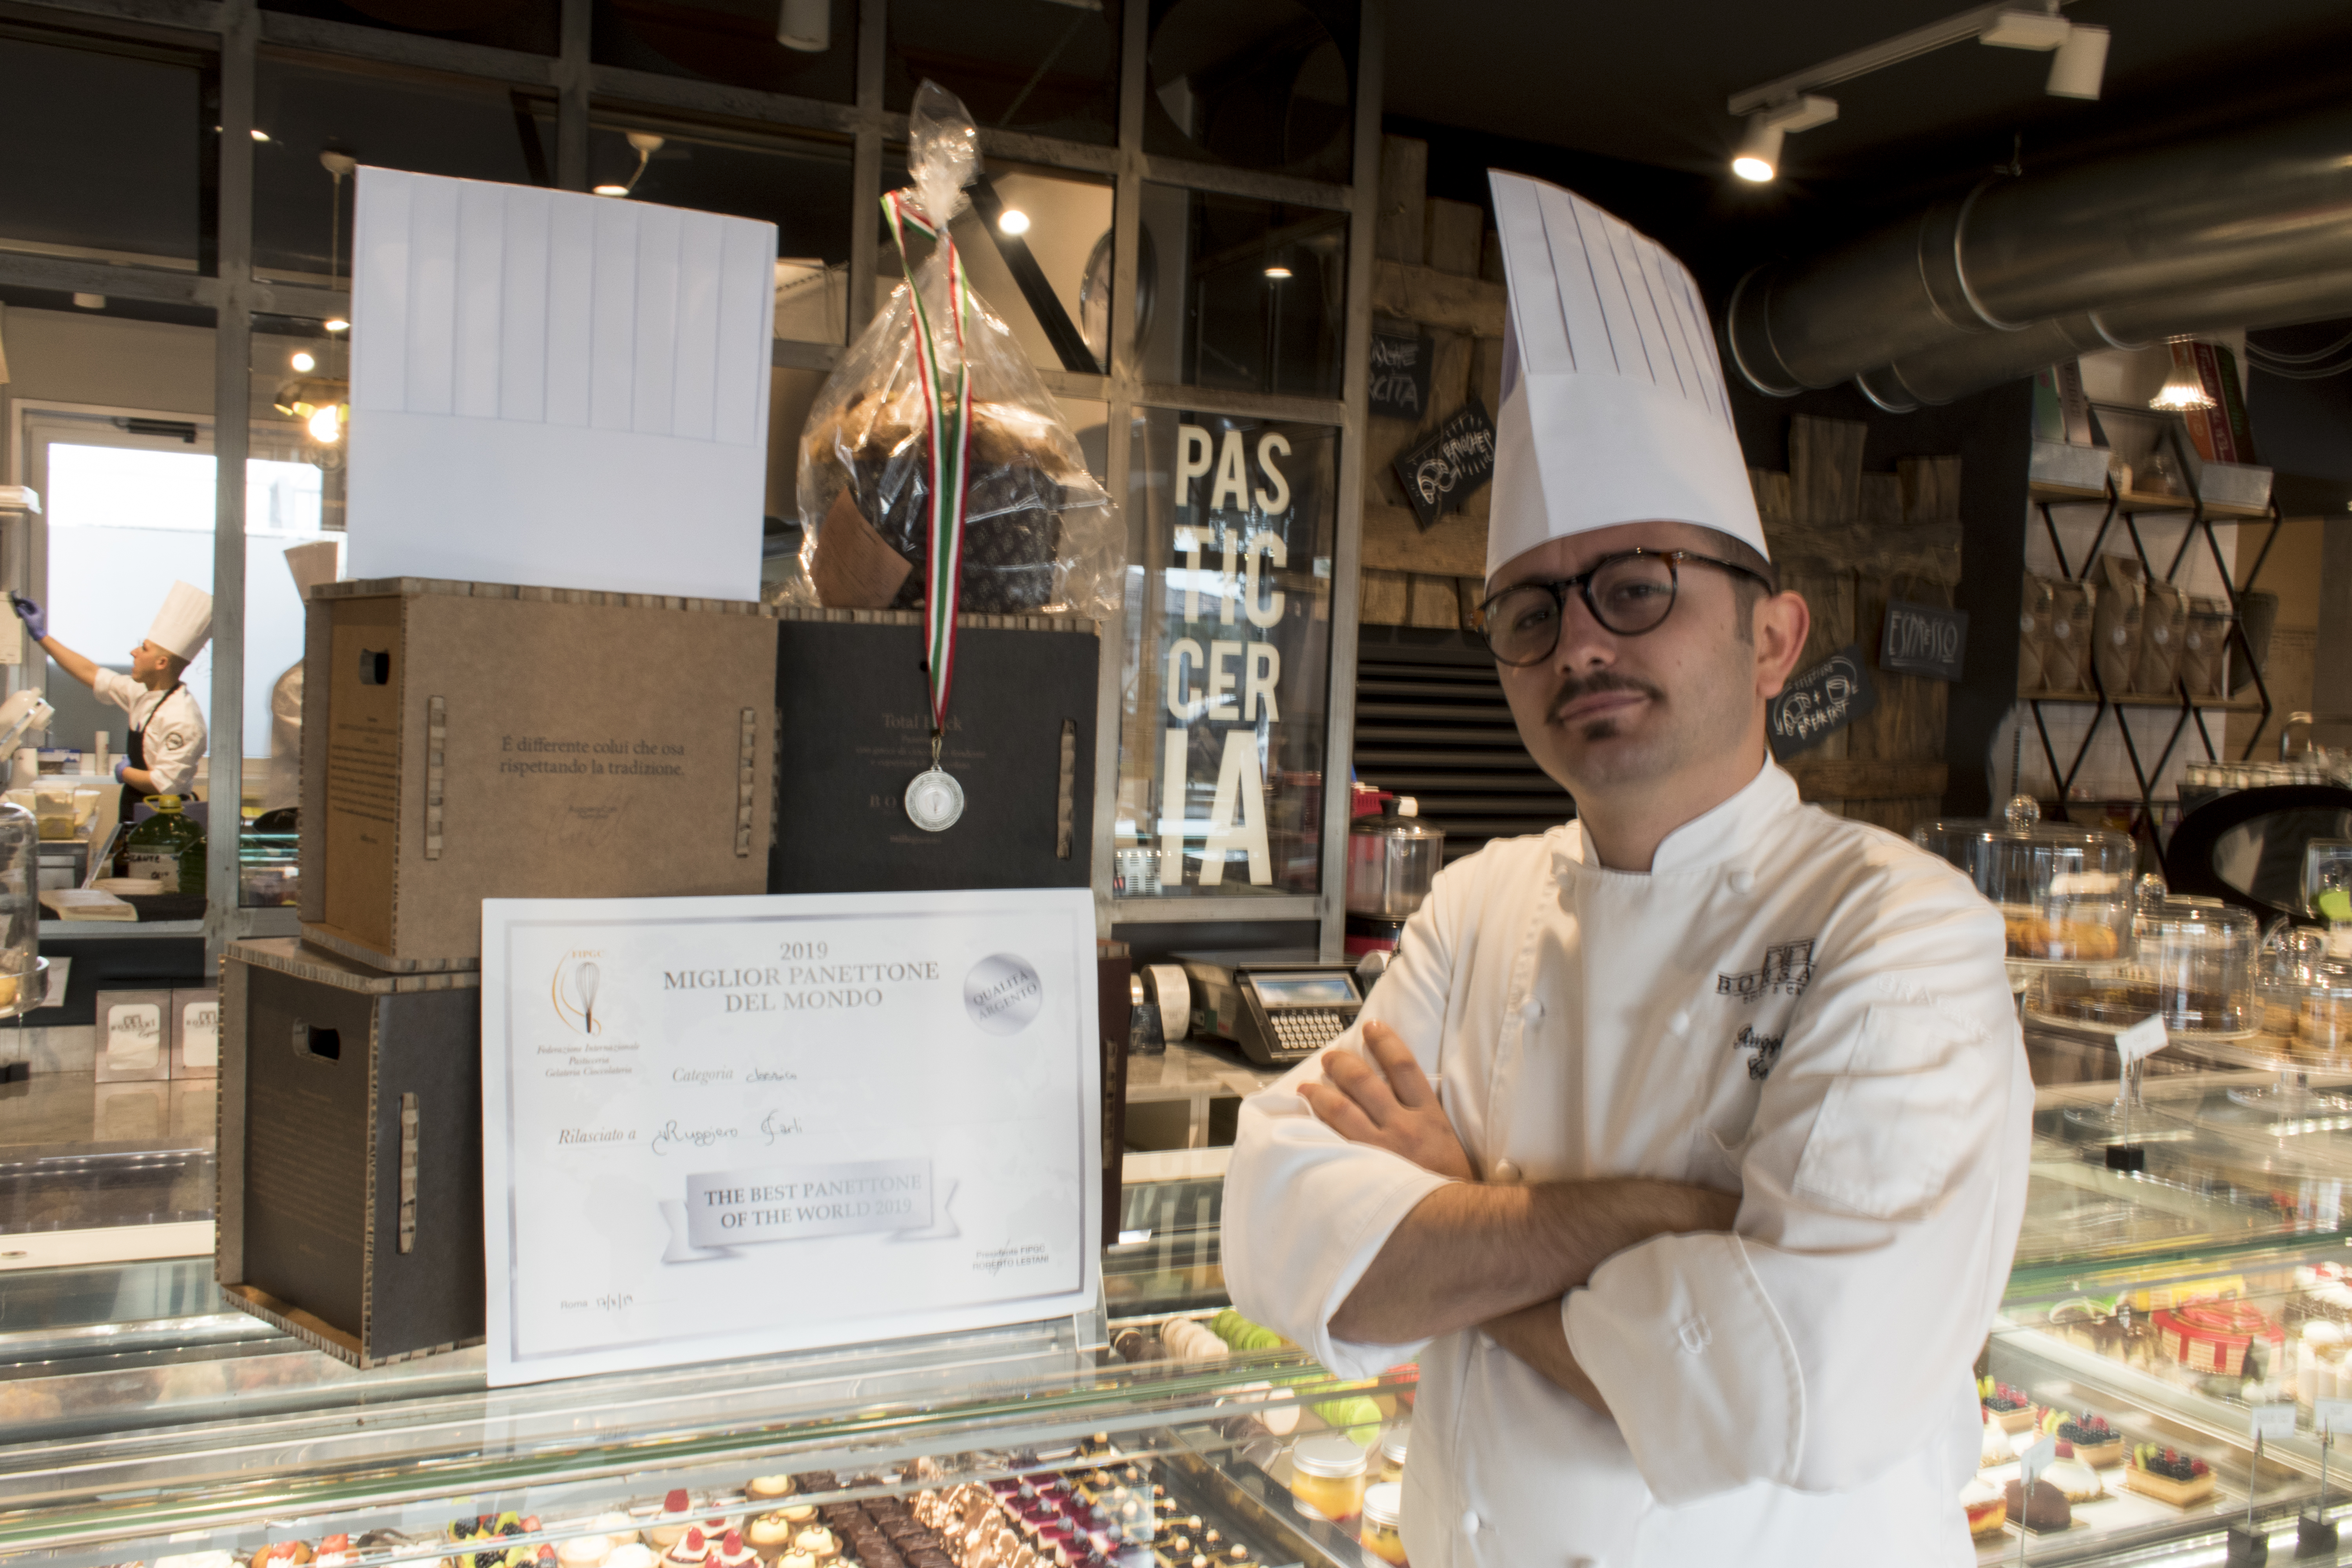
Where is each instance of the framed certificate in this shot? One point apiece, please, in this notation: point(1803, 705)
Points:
point(729, 1126)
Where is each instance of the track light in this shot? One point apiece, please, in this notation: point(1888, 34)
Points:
point(805, 25)
point(2080, 64)
point(2183, 390)
point(1758, 157)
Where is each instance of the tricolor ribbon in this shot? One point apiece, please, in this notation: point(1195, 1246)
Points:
point(947, 409)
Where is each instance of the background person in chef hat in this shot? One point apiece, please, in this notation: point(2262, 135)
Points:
point(167, 729)
point(1684, 1145)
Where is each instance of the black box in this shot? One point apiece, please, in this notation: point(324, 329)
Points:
point(350, 1151)
point(854, 728)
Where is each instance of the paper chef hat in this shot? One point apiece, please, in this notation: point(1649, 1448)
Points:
point(1613, 402)
point(311, 564)
point(184, 623)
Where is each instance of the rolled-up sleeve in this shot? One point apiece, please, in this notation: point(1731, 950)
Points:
point(1306, 1212)
point(1883, 1184)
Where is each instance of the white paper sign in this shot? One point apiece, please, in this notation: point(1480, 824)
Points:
point(2272, 1422)
point(2334, 1415)
point(2142, 1039)
point(2036, 1459)
point(728, 1126)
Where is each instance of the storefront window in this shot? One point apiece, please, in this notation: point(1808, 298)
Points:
point(471, 131)
point(534, 27)
point(1254, 292)
point(1227, 665)
point(1264, 86)
point(106, 154)
point(1045, 66)
point(735, 42)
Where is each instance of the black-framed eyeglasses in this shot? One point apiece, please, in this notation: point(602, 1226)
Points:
point(1629, 593)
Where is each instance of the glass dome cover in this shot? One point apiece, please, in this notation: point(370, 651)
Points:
point(2064, 892)
point(2193, 965)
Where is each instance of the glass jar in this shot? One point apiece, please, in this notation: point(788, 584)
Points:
point(1393, 1448)
point(2283, 969)
point(2192, 965)
point(2323, 1019)
point(2064, 892)
point(1327, 1479)
point(1383, 1509)
point(20, 911)
point(168, 848)
point(1392, 859)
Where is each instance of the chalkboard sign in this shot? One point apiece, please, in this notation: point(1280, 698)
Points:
point(1820, 702)
point(1456, 459)
point(1400, 378)
point(1924, 639)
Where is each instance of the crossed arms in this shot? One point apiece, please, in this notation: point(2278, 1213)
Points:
point(1471, 1254)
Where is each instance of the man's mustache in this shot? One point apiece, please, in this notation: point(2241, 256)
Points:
point(1578, 687)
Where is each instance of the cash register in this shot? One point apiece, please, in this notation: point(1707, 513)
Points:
point(1278, 1006)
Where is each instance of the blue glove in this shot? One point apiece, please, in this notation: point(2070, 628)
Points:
point(35, 621)
point(121, 764)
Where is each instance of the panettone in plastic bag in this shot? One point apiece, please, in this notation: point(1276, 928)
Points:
point(1038, 531)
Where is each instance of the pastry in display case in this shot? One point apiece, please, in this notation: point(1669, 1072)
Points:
point(2064, 891)
point(2192, 965)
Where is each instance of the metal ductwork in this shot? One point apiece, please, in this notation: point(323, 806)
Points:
point(1969, 365)
point(2070, 257)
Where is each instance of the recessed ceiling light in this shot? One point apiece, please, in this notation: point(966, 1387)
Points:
point(612, 190)
point(1012, 220)
point(1277, 273)
point(303, 361)
point(260, 134)
point(339, 325)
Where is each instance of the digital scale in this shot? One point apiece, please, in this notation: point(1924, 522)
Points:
point(1278, 1006)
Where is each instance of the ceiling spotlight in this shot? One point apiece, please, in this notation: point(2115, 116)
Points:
point(339, 325)
point(303, 361)
point(1012, 220)
point(260, 134)
point(2183, 390)
point(1758, 157)
point(2077, 69)
point(1277, 272)
point(2025, 30)
point(326, 425)
point(612, 190)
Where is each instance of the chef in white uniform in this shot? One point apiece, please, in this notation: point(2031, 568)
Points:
point(309, 566)
point(167, 728)
point(1684, 1145)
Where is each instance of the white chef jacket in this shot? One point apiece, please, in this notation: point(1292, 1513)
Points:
point(173, 726)
point(1802, 1010)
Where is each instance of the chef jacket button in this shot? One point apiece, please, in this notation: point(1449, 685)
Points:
point(1506, 1169)
point(1679, 1022)
point(1470, 1521)
point(1530, 1010)
point(1743, 881)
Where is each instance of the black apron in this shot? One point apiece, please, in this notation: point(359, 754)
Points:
point(136, 753)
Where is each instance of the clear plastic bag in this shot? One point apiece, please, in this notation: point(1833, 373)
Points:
point(1039, 531)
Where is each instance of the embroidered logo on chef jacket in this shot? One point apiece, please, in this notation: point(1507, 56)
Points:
point(1766, 1046)
point(1787, 969)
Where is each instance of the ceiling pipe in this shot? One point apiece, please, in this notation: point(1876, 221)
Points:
point(1969, 364)
point(2261, 204)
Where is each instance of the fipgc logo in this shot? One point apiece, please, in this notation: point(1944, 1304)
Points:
point(579, 979)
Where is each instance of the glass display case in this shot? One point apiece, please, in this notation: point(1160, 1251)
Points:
point(2150, 1315)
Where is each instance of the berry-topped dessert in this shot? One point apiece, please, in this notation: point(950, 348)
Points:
point(2006, 1405)
point(2095, 1441)
point(2168, 1475)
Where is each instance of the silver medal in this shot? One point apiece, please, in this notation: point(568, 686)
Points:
point(934, 800)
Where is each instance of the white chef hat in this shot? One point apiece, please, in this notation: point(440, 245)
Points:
point(1613, 402)
point(184, 623)
point(311, 564)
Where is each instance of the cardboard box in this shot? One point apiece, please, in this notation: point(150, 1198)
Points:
point(134, 1036)
point(470, 741)
point(855, 712)
point(195, 1033)
point(350, 1206)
